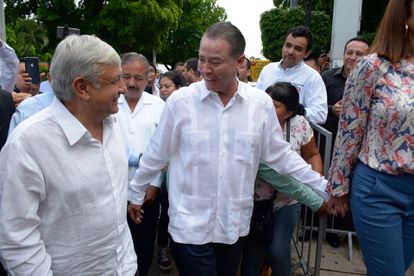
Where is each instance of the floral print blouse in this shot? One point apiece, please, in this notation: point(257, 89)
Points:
point(376, 125)
point(300, 134)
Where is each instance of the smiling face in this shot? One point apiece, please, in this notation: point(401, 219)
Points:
point(218, 67)
point(294, 50)
point(103, 93)
point(354, 50)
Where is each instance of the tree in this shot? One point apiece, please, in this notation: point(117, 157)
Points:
point(184, 40)
point(28, 38)
point(275, 23)
point(139, 25)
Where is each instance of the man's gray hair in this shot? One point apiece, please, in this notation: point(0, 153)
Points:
point(231, 34)
point(77, 56)
point(132, 57)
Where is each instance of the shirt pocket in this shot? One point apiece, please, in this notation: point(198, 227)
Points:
point(246, 146)
point(239, 214)
point(194, 214)
point(198, 143)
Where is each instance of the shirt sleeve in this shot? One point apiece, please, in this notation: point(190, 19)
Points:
point(290, 187)
point(22, 248)
point(352, 123)
point(315, 100)
point(9, 64)
point(278, 155)
point(155, 157)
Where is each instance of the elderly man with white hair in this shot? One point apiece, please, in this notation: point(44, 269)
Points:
point(64, 173)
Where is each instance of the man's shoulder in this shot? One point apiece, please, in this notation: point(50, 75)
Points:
point(36, 103)
point(253, 93)
point(33, 127)
point(149, 98)
point(330, 73)
point(271, 67)
point(187, 92)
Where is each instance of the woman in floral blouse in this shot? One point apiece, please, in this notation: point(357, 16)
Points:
point(374, 149)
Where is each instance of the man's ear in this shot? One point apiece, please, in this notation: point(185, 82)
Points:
point(307, 54)
point(80, 88)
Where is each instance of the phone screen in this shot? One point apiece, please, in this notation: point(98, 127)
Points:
point(32, 68)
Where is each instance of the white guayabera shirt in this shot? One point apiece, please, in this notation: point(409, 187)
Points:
point(63, 200)
point(214, 153)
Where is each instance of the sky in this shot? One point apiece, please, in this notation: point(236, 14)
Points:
point(245, 15)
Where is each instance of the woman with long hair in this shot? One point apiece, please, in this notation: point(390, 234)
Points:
point(374, 151)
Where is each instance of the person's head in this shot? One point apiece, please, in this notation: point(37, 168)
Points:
point(354, 48)
point(221, 53)
point(135, 74)
point(298, 44)
point(169, 82)
point(312, 61)
point(23, 83)
point(86, 71)
point(285, 97)
point(191, 73)
point(395, 35)
point(179, 67)
point(152, 73)
point(244, 70)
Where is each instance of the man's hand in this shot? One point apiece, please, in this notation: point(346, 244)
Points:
point(135, 213)
point(338, 205)
point(336, 108)
point(19, 97)
point(150, 194)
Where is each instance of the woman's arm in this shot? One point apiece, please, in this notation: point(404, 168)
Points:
point(311, 155)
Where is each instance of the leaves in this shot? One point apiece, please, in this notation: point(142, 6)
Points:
point(274, 25)
point(183, 41)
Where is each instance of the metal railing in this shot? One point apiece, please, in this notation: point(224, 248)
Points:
point(306, 252)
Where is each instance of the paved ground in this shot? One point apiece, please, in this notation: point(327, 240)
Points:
point(335, 262)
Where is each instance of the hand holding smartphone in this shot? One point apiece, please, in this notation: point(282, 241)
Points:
point(32, 68)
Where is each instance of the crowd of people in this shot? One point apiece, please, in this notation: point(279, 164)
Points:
point(104, 158)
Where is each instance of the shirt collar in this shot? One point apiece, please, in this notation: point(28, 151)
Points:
point(339, 71)
point(241, 90)
point(292, 67)
point(72, 127)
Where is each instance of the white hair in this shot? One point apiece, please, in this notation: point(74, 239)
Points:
point(79, 56)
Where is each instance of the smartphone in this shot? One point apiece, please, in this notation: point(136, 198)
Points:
point(32, 68)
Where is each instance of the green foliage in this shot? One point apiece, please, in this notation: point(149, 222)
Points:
point(317, 5)
point(372, 12)
point(183, 41)
point(172, 28)
point(139, 25)
point(275, 23)
point(28, 38)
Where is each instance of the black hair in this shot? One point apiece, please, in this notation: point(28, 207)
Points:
point(249, 66)
point(175, 77)
point(287, 94)
point(360, 39)
point(231, 34)
point(302, 31)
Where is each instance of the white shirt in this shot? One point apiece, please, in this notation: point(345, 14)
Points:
point(138, 126)
point(214, 153)
point(63, 201)
point(308, 82)
point(9, 64)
